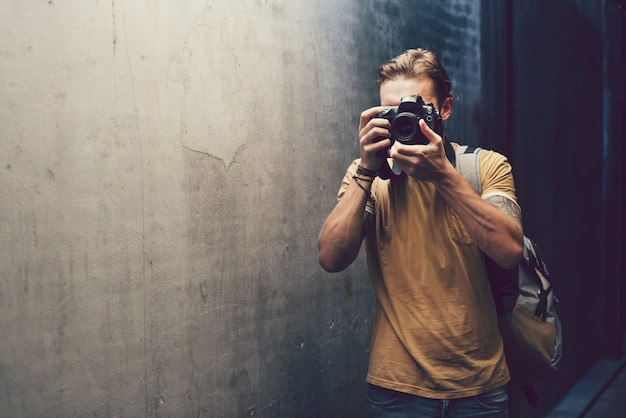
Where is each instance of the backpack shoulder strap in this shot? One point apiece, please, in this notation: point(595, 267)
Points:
point(467, 165)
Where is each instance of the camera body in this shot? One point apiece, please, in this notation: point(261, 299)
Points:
point(405, 120)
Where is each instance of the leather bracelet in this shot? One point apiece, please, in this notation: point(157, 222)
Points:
point(366, 171)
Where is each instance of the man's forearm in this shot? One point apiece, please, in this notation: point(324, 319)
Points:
point(340, 239)
point(497, 234)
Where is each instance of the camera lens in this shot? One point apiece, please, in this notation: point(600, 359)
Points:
point(404, 127)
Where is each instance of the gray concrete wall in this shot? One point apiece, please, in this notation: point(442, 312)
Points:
point(165, 167)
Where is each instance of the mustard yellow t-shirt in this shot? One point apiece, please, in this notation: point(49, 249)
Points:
point(435, 327)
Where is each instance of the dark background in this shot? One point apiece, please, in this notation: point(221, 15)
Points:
point(552, 99)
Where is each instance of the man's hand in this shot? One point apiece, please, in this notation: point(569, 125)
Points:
point(422, 162)
point(373, 138)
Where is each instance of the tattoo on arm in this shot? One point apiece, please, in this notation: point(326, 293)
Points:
point(506, 206)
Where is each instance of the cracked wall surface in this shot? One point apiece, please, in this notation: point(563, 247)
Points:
point(165, 167)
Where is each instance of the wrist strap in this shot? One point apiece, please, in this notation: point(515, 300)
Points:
point(366, 171)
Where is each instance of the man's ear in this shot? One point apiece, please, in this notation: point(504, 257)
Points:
point(446, 108)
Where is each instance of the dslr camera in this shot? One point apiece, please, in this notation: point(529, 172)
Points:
point(405, 120)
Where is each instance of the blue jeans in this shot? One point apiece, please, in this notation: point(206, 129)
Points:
point(387, 403)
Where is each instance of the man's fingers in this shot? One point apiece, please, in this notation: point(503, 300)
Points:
point(368, 114)
point(428, 133)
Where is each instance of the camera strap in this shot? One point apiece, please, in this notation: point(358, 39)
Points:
point(447, 146)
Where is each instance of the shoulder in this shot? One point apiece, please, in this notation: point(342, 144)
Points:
point(497, 175)
point(350, 171)
point(489, 161)
point(490, 158)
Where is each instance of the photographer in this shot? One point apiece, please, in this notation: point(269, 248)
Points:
point(435, 345)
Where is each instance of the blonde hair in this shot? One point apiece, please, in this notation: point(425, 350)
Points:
point(414, 63)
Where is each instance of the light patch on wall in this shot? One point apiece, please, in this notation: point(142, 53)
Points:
point(227, 67)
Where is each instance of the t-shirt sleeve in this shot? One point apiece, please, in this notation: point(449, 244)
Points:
point(350, 172)
point(496, 175)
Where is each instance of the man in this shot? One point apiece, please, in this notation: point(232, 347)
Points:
point(436, 348)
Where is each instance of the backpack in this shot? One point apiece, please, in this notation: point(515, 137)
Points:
point(528, 310)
